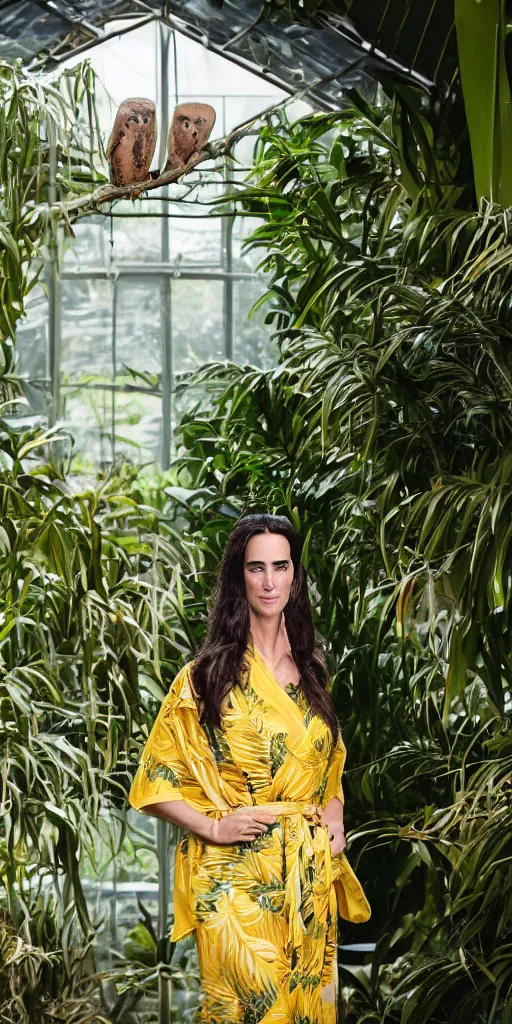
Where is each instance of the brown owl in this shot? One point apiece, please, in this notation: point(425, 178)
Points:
point(191, 127)
point(132, 141)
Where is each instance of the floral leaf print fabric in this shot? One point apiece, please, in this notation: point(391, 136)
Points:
point(264, 912)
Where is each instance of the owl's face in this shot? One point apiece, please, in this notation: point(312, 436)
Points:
point(190, 131)
point(189, 126)
point(144, 117)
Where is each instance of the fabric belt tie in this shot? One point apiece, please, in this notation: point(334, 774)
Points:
point(302, 842)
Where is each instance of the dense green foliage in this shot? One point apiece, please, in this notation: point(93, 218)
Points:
point(86, 581)
point(386, 430)
point(88, 588)
point(49, 141)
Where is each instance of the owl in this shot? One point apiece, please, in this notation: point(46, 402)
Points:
point(132, 141)
point(191, 127)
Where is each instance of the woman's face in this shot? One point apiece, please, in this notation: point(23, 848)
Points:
point(268, 573)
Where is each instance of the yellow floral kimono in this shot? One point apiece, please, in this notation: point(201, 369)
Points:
point(264, 911)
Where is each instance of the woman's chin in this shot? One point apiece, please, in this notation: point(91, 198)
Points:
point(267, 607)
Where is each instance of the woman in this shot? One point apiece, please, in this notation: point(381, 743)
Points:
point(246, 756)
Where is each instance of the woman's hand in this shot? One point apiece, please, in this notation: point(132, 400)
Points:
point(332, 818)
point(337, 839)
point(240, 825)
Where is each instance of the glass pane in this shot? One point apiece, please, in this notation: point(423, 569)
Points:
point(87, 415)
point(89, 246)
point(138, 333)
point(197, 318)
point(195, 238)
point(135, 237)
point(86, 327)
point(246, 259)
point(240, 109)
point(251, 336)
point(114, 63)
point(203, 74)
point(108, 423)
point(32, 335)
point(138, 426)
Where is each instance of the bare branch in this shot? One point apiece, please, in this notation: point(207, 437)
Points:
point(91, 201)
point(110, 193)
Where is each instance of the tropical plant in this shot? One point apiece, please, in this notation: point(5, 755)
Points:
point(88, 582)
point(49, 146)
point(40, 982)
point(385, 432)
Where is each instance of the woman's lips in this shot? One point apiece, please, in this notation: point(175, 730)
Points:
point(269, 599)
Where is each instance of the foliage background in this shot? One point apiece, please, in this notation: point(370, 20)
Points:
point(384, 431)
point(87, 573)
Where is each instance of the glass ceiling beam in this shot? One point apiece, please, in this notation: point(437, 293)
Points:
point(71, 51)
point(77, 22)
point(198, 37)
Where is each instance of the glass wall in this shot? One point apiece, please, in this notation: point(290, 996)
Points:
point(154, 287)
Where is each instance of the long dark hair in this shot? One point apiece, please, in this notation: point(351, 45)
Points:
point(219, 664)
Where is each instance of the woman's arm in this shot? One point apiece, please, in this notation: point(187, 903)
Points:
point(332, 815)
point(242, 824)
point(179, 812)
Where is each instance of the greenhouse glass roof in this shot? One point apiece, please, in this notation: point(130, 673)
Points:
point(339, 51)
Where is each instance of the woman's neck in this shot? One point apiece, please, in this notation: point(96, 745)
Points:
point(270, 639)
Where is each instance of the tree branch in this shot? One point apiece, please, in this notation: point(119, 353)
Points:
point(110, 193)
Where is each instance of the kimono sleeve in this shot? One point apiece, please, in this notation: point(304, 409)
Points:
point(162, 766)
point(335, 771)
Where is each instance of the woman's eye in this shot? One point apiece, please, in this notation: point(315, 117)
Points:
point(257, 568)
